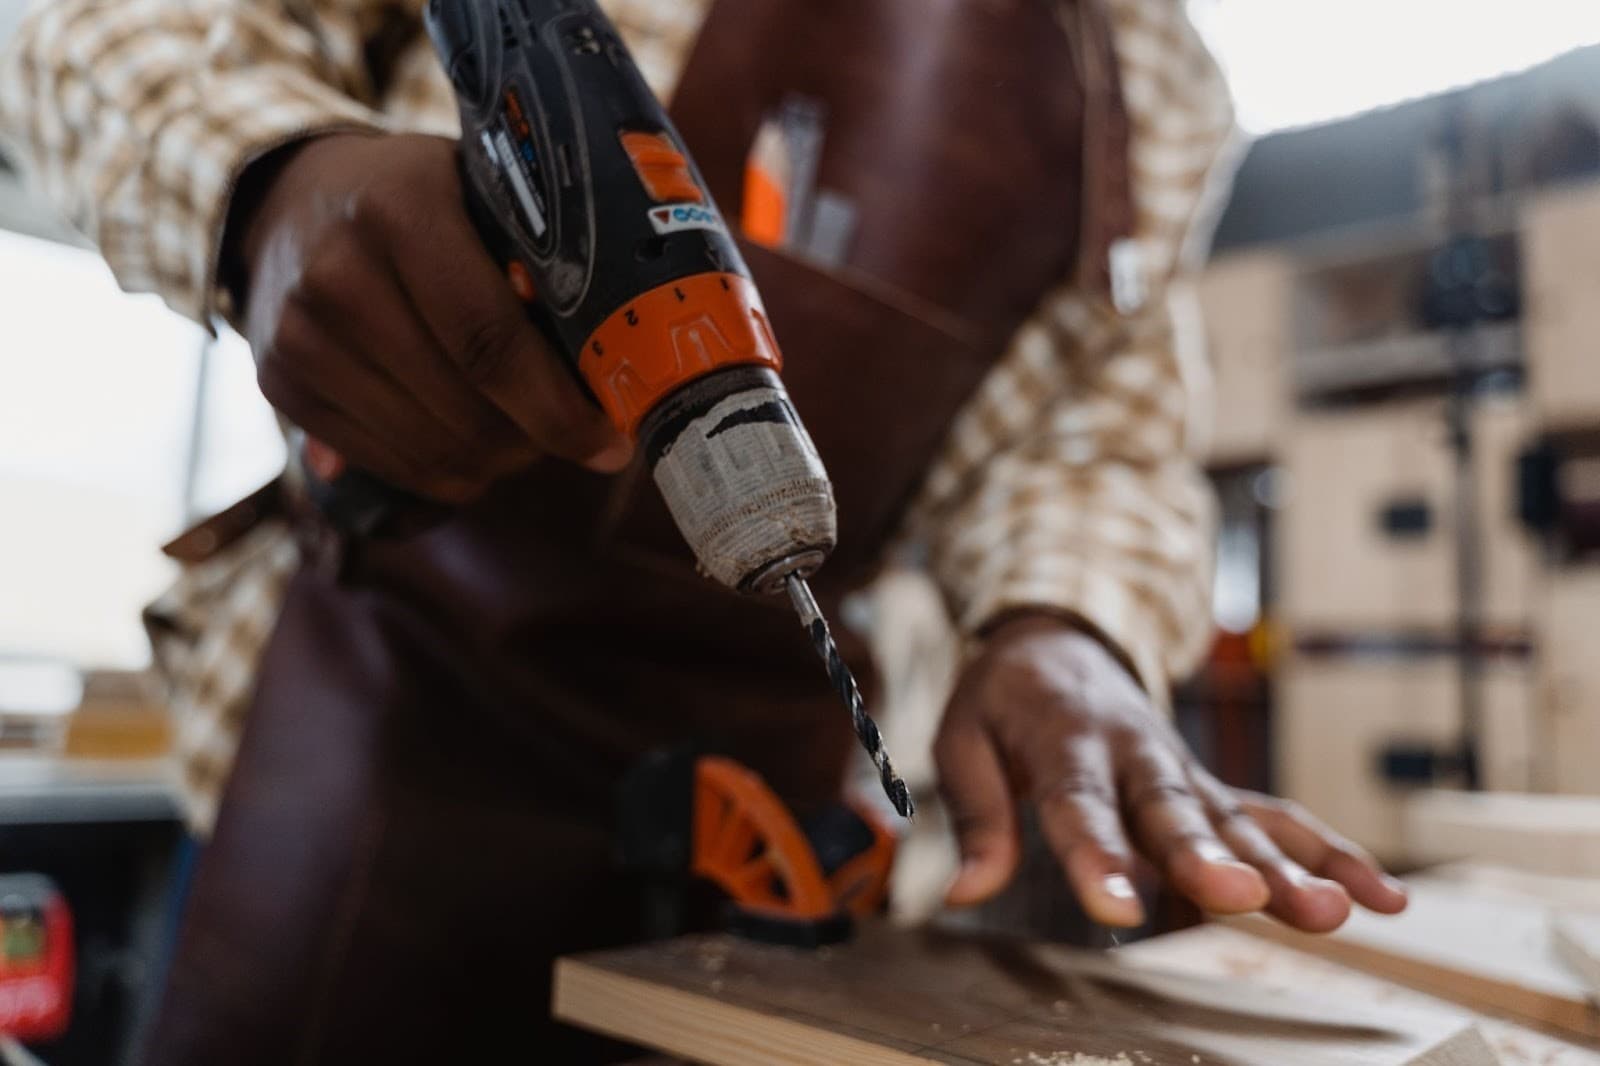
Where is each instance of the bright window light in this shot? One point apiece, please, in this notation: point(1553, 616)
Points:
point(96, 409)
point(95, 403)
point(1295, 63)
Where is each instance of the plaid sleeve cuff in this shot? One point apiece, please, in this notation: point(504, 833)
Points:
point(1120, 551)
point(1092, 601)
point(175, 248)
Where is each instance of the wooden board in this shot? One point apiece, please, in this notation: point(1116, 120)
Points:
point(895, 998)
point(1337, 713)
point(1576, 938)
point(1556, 835)
point(1244, 300)
point(1341, 569)
point(1569, 679)
point(1337, 568)
point(1561, 317)
point(1221, 953)
point(1490, 954)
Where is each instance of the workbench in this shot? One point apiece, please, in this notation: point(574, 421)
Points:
point(48, 790)
point(1222, 952)
point(981, 1023)
point(109, 833)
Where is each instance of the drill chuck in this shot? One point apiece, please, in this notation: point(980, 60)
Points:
point(742, 479)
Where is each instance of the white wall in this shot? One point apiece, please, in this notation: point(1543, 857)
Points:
point(1298, 62)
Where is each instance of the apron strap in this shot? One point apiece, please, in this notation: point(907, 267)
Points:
point(1107, 195)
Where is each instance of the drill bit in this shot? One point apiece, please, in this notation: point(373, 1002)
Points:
point(840, 677)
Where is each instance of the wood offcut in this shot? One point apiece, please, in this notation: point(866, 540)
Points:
point(1576, 940)
point(1491, 954)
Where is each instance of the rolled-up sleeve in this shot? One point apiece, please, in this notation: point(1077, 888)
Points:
point(137, 116)
point(1072, 482)
point(1100, 512)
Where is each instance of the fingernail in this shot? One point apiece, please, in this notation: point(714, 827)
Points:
point(1119, 887)
point(1212, 852)
point(1121, 907)
point(1395, 885)
point(1307, 879)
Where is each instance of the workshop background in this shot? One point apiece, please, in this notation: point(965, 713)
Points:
point(1403, 310)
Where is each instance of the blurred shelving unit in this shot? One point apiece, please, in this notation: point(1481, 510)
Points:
point(1422, 392)
point(93, 482)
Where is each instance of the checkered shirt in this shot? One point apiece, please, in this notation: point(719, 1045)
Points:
point(1068, 482)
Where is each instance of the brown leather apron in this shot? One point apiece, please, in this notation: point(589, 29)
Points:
point(419, 817)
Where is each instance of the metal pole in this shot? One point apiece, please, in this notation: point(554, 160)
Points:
point(1469, 570)
point(197, 431)
point(1465, 180)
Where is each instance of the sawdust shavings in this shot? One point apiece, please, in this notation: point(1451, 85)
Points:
point(1239, 965)
point(713, 956)
point(1072, 1058)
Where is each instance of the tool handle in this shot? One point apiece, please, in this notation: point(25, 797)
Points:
point(584, 195)
point(359, 504)
point(545, 90)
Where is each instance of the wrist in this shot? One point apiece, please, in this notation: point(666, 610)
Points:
point(257, 200)
point(1066, 628)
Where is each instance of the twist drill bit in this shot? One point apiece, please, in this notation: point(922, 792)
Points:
point(845, 684)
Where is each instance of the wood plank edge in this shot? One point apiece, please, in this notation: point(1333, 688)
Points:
point(1468, 1047)
point(1566, 1018)
point(701, 1027)
point(1578, 951)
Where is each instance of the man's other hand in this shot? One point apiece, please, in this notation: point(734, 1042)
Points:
point(1045, 712)
point(382, 327)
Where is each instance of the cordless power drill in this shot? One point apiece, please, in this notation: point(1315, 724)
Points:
point(583, 192)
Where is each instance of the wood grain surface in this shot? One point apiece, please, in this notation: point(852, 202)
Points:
point(1225, 954)
point(1575, 938)
point(902, 997)
point(1491, 954)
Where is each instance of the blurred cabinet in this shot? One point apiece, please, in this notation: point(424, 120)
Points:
point(1568, 663)
point(1338, 714)
point(1368, 533)
point(1367, 528)
point(1245, 301)
point(1561, 321)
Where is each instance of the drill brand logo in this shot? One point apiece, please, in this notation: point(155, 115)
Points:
point(674, 218)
